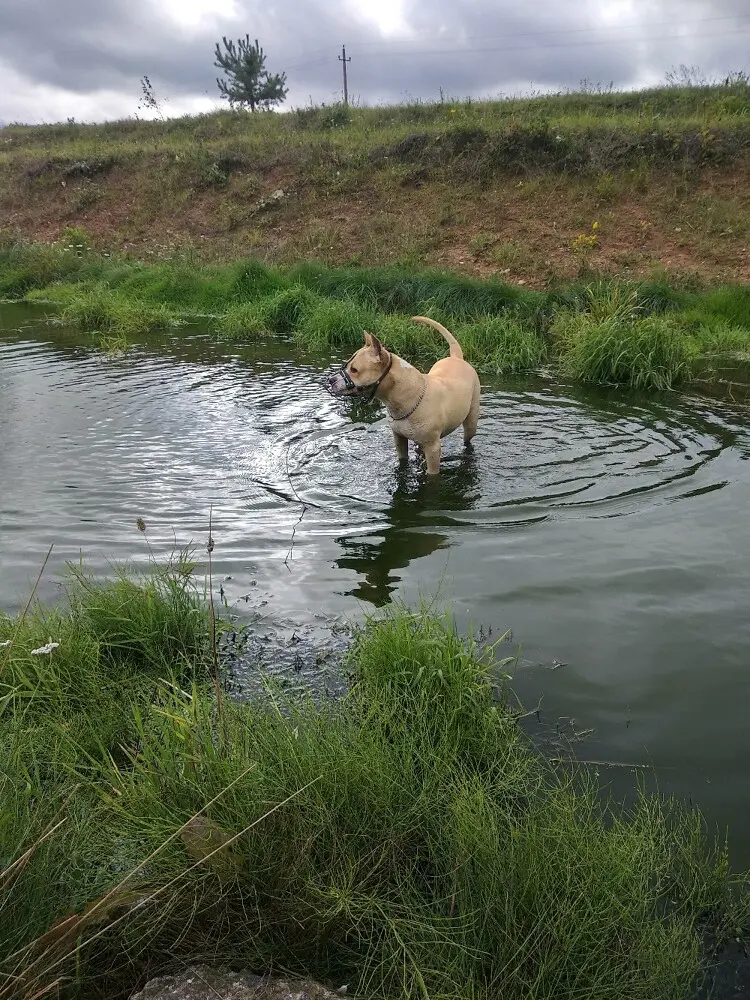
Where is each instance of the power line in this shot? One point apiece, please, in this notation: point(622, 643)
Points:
point(544, 45)
point(566, 31)
point(528, 48)
point(538, 34)
point(306, 65)
point(552, 45)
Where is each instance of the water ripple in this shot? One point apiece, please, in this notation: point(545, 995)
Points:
point(90, 442)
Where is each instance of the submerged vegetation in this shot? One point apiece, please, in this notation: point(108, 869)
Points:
point(407, 839)
point(648, 335)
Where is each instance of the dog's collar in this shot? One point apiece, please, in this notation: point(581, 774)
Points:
point(419, 400)
point(360, 389)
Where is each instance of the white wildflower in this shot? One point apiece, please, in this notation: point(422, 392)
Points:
point(45, 649)
point(4, 645)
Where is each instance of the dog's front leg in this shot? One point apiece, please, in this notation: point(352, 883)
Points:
point(402, 447)
point(432, 454)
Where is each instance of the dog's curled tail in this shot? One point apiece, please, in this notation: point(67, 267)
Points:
point(455, 347)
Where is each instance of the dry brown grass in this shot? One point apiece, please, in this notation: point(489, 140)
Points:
point(481, 189)
point(528, 226)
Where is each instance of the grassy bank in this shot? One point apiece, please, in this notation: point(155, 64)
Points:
point(406, 840)
point(508, 187)
point(649, 335)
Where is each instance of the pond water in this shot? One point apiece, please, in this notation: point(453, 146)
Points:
point(607, 531)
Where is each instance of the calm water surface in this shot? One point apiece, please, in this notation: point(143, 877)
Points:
point(609, 532)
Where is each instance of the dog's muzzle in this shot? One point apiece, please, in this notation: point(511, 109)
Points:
point(340, 383)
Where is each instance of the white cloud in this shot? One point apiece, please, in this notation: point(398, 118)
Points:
point(197, 15)
point(387, 17)
point(37, 103)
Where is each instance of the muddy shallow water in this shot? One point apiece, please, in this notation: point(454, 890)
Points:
point(608, 532)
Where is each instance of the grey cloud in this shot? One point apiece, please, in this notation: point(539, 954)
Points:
point(465, 47)
point(88, 45)
point(553, 45)
point(85, 45)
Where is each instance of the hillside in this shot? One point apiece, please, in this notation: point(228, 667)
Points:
point(647, 184)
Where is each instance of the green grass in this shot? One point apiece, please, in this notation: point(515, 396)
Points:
point(612, 342)
point(631, 338)
point(111, 636)
point(404, 290)
point(331, 324)
point(723, 339)
point(649, 353)
point(28, 266)
point(508, 346)
point(407, 840)
point(468, 183)
point(649, 335)
point(110, 312)
point(584, 130)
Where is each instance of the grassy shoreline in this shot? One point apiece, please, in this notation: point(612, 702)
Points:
point(507, 186)
point(648, 335)
point(407, 839)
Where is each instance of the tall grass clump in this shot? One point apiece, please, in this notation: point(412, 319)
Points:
point(28, 266)
point(251, 279)
point(109, 311)
point(187, 288)
point(76, 682)
point(725, 305)
point(198, 290)
point(501, 345)
point(178, 286)
point(722, 339)
point(614, 343)
point(408, 339)
point(465, 299)
point(496, 345)
point(107, 635)
point(287, 309)
point(281, 312)
point(334, 323)
point(406, 840)
point(247, 319)
point(647, 353)
point(401, 290)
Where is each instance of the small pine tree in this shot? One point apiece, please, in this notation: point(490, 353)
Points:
point(248, 83)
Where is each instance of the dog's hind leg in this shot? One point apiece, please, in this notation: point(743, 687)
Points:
point(472, 418)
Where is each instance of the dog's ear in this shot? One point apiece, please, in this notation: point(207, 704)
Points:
point(367, 337)
point(374, 344)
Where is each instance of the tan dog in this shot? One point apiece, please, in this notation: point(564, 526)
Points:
point(423, 408)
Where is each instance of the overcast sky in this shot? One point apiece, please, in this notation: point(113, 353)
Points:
point(84, 58)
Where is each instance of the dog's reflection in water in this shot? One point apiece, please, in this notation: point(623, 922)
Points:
point(417, 503)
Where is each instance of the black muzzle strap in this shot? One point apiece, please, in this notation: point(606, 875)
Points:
point(361, 390)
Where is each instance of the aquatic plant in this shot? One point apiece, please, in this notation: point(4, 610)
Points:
point(645, 335)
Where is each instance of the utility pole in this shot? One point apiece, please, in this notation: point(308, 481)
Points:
point(343, 60)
